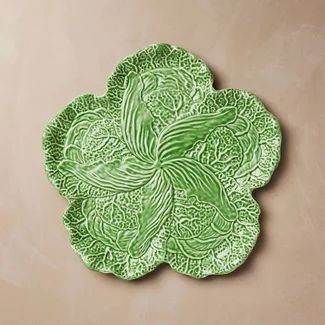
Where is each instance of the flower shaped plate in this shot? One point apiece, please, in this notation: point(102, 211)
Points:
point(162, 167)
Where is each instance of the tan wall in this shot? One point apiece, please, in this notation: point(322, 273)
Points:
point(54, 50)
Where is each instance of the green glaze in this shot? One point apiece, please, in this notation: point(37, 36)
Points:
point(161, 168)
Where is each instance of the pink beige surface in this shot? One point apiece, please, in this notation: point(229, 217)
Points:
point(52, 51)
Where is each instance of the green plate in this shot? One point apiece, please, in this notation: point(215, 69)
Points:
point(161, 168)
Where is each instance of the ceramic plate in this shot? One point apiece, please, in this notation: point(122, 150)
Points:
point(161, 168)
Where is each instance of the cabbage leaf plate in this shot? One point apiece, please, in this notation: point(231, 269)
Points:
point(161, 168)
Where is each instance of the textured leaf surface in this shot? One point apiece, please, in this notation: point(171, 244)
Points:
point(180, 136)
point(161, 168)
point(136, 121)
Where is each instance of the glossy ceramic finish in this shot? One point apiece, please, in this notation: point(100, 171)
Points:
point(161, 168)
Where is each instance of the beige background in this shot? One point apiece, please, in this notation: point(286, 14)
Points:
point(54, 50)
